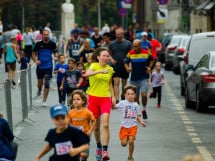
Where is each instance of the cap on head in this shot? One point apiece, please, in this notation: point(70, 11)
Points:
point(144, 34)
point(57, 110)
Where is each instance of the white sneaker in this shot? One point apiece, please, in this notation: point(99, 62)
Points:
point(44, 104)
point(37, 97)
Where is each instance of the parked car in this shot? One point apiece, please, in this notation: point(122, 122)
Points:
point(199, 44)
point(170, 50)
point(164, 42)
point(200, 83)
point(180, 53)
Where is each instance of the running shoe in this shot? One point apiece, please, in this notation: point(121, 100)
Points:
point(98, 154)
point(105, 155)
point(44, 104)
point(144, 115)
point(158, 106)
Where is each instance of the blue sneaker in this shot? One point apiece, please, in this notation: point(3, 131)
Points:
point(98, 154)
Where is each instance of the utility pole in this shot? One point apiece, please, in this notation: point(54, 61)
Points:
point(99, 15)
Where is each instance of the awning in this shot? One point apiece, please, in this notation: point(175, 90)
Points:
point(203, 5)
point(209, 5)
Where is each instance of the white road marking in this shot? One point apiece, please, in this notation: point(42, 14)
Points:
point(188, 125)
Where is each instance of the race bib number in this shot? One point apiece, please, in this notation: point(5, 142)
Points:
point(63, 148)
point(75, 52)
point(131, 113)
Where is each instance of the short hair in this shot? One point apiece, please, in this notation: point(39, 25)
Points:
point(79, 62)
point(107, 34)
point(81, 94)
point(61, 55)
point(132, 87)
point(71, 60)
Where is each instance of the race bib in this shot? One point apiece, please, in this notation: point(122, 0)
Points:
point(63, 148)
point(131, 113)
point(75, 52)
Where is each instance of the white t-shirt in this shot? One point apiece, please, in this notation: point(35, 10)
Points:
point(157, 79)
point(129, 113)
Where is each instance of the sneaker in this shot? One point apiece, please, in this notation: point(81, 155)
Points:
point(158, 106)
point(105, 155)
point(151, 95)
point(44, 104)
point(98, 154)
point(144, 115)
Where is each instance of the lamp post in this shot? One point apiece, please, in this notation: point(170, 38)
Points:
point(99, 15)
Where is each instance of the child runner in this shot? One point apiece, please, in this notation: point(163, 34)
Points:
point(60, 69)
point(156, 81)
point(72, 79)
point(85, 84)
point(68, 142)
point(81, 117)
point(23, 61)
point(130, 114)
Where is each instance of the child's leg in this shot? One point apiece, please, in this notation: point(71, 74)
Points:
point(154, 92)
point(131, 148)
point(124, 142)
point(159, 94)
point(59, 92)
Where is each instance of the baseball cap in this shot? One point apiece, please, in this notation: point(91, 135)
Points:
point(144, 34)
point(57, 110)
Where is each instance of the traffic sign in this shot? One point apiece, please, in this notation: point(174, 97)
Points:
point(162, 1)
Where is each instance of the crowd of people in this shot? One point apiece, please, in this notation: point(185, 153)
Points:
point(89, 68)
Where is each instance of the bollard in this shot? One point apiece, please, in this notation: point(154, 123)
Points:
point(8, 103)
point(30, 85)
point(23, 85)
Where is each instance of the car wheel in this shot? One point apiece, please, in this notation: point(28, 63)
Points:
point(188, 103)
point(199, 104)
point(167, 66)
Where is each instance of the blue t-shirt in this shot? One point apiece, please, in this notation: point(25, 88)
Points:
point(63, 142)
point(44, 51)
point(24, 63)
point(61, 68)
point(146, 44)
point(10, 56)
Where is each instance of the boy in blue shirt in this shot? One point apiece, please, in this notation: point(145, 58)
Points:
point(60, 69)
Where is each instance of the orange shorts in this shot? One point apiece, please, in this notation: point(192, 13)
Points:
point(124, 133)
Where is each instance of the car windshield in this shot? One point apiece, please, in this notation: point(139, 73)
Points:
point(199, 47)
point(175, 40)
point(185, 42)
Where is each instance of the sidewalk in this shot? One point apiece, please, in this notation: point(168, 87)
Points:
point(163, 139)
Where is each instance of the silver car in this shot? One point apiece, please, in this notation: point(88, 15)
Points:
point(200, 83)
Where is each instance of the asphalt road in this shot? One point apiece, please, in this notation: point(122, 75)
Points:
point(170, 133)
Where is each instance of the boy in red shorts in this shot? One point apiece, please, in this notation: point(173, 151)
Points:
point(130, 114)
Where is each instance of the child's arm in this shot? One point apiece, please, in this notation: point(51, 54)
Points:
point(140, 120)
point(62, 83)
point(75, 151)
point(92, 127)
point(162, 79)
point(44, 151)
point(15, 51)
point(150, 78)
point(79, 82)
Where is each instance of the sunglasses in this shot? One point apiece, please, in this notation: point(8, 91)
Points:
point(60, 117)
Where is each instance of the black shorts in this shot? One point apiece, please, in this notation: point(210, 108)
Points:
point(11, 66)
point(120, 71)
point(42, 72)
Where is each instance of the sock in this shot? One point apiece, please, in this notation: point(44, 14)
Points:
point(99, 145)
point(105, 148)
